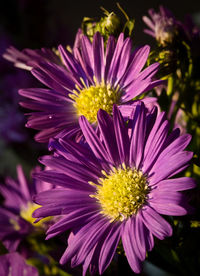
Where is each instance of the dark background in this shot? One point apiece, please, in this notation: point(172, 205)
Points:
point(40, 23)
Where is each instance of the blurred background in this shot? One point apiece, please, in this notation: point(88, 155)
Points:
point(39, 23)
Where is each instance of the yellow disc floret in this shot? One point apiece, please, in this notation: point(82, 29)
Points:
point(89, 100)
point(121, 193)
point(27, 211)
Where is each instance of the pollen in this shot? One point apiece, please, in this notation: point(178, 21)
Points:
point(89, 100)
point(121, 192)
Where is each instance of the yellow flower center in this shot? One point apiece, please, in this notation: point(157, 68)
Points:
point(26, 213)
point(121, 193)
point(89, 100)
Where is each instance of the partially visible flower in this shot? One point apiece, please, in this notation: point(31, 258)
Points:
point(28, 58)
point(163, 25)
point(16, 213)
point(13, 264)
point(115, 186)
point(92, 79)
point(193, 34)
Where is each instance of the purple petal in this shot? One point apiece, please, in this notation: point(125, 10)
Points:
point(176, 184)
point(98, 58)
point(74, 219)
point(71, 169)
point(72, 65)
point(139, 58)
point(110, 48)
point(155, 223)
point(109, 247)
point(129, 248)
point(86, 237)
point(175, 164)
point(115, 59)
point(121, 133)
point(94, 142)
point(148, 22)
point(105, 123)
point(138, 136)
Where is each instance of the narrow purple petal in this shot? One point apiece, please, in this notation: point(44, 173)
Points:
point(139, 58)
point(129, 249)
point(72, 65)
point(71, 169)
point(148, 22)
point(109, 247)
point(79, 239)
point(94, 142)
point(176, 184)
point(74, 219)
point(105, 123)
point(98, 56)
point(115, 59)
point(155, 223)
point(175, 164)
point(121, 133)
point(138, 136)
point(110, 48)
point(23, 183)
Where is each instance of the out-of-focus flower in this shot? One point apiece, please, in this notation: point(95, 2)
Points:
point(92, 79)
point(115, 186)
point(163, 25)
point(13, 264)
point(16, 213)
point(28, 58)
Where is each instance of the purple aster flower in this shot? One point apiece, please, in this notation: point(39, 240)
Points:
point(13, 264)
point(16, 214)
point(163, 25)
point(115, 186)
point(28, 58)
point(92, 78)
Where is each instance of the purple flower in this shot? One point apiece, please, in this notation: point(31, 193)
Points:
point(91, 79)
point(16, 214)
point(163, 25)
point(28, 58)
point(115, 186)
point(13, 264)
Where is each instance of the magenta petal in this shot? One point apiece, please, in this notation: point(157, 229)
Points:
point(79, 239)
point(109, 247)
point(155, 223)
point(115, 59)
point(129, 249)
point(74, 219)
point(121, 133)
point(168, 208)
point(176, 184)
point(94, 142)
point(139, 58)
point(175, 164)
point(105, 122)
point(98, 58)
point(138, 136)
